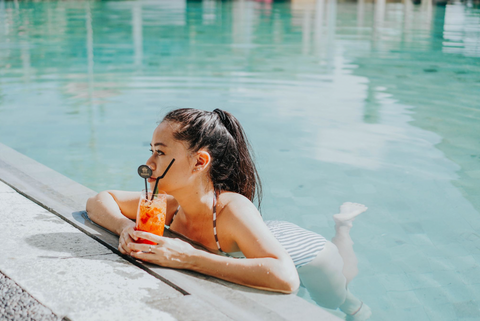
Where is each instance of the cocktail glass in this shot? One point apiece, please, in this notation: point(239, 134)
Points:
point(151, 214)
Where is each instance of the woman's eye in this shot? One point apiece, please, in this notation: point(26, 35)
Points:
point(159, 152)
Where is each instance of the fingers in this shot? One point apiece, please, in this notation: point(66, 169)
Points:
point(149, 236)
point(123, 242)
point(147, 257)
point(123, 246)
point(138, 247)
point(131, 233)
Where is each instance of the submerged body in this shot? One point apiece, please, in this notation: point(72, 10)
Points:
point(302, 245)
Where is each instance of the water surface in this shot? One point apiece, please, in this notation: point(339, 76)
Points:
point(343, 101)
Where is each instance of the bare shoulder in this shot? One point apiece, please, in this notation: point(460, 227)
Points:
point(235, 205)
point(242, 228)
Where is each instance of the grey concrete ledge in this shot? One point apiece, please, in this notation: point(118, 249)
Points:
point(67, 198)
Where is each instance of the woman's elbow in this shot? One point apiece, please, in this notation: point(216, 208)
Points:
point(90, 203)
point(93, 204)
point(291, 283)
point(289, 280)
point(90, 206)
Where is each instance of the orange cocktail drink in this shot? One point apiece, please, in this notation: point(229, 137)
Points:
point(151, 215)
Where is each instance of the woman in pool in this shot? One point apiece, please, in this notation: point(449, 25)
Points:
point(211, 187)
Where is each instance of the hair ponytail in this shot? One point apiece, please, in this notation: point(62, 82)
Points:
point(232, 167)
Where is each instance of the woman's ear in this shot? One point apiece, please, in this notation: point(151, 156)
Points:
point(203, 159)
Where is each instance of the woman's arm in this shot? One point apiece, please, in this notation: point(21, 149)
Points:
point(267, 266)
point(267, 273)
point(115, 211)
point(272, 274)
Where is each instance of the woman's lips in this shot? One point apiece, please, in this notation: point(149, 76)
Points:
point(152, 180)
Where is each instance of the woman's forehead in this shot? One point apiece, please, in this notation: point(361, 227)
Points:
point(163, 135)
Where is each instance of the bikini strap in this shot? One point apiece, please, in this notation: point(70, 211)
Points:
point(175, 214)
point(215, 221)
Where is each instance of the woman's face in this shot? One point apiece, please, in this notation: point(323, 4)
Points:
point(165, 148)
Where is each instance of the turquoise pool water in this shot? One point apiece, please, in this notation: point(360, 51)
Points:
point(375, 103)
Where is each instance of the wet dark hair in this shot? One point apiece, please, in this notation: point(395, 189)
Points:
point(220, 133)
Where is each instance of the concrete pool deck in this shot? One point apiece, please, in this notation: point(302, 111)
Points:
point(52, 251)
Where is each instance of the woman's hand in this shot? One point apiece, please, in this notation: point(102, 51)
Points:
point(168, 252)
point(126, 237)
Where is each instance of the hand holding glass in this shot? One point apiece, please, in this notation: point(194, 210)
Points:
point(151, 214)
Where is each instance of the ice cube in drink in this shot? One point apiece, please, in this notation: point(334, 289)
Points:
point(151, 215)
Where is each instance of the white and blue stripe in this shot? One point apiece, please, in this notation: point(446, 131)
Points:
point(302, 245)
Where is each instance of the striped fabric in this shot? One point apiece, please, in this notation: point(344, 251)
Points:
point(215, 221)
point(302, 245)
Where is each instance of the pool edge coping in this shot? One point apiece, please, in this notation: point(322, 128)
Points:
point(67, 198)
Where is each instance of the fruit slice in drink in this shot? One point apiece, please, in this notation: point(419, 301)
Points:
point(151, 215)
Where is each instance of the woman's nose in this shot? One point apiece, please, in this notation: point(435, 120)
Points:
point(150, 163)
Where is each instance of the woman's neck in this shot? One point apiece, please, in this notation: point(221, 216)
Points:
point(196, 200)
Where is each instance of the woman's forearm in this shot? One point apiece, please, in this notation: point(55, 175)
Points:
point(273, 273)
point(262, 273)
point(103, 210)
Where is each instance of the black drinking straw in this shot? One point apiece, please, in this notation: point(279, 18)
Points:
point(160, 177)
point(145, 172)
point(146, 190)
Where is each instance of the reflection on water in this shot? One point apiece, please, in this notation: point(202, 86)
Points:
point(369, 101)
